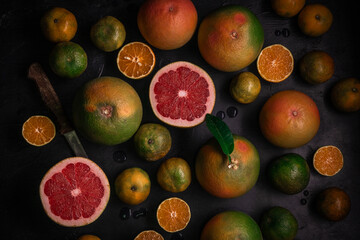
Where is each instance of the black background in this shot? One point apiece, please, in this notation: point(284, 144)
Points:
point(22, 166)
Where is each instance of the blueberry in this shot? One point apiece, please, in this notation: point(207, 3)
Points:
point(232, 112)
point(303, 201)
point(306, 193)
point(125, 213)
point(285, 32)
point(220, 114)
point(119, 156)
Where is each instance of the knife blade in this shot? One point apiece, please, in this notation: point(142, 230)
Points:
point(52, 101)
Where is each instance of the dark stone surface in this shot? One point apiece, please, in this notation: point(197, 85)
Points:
point(22, 166)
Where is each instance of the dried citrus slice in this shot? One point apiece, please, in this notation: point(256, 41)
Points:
point(136, 60)
point(328, 160)
point(275, 63)
point(173, 214)
point(149, 235)
point(38, 130)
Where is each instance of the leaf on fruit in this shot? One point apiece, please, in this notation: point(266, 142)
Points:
point(221, 132)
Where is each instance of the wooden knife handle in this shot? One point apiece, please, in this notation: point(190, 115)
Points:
point(49, 96)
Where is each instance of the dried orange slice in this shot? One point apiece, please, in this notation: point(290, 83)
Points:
point(328, 160)
point(38, 130)
point(173, 214)
point(275, 63)
point(149, 235)
point(136, 60)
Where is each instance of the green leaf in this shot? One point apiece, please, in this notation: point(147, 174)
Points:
point(221, 132)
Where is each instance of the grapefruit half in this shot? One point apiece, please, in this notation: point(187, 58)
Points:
point(74, 192)
point(181, 94)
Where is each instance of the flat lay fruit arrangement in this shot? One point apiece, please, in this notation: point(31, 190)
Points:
point(180, 119)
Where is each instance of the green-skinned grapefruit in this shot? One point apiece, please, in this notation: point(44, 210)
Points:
point(174, 175)
point(289, 173)
point(230, 225)
point(225, 179)
point(107, 110)
point(68, 60)
point(152, 141)
point(278, 223)
point(108, 34)
point(230, 38)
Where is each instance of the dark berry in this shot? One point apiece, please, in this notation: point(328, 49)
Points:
point(232, 112)
point(125, 213)
point(303, 201)
point(306, 193)
point(119, 156)
point(220, 114)
point(285, 32)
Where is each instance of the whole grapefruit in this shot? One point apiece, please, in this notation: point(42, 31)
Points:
point(59, 25)
point(174, 174)
point(108, 34)
point(223, 178)
point(230, 38)
point(333, 203)
point(132, 186)
point(289, 119)
point(278, 223)
point(245, 87)
point(287, 8)
point(289, 173)
point(152, 141)
point(315, 19)
point(316, 67)
point(107, 110)
point(167, 24)
point(230, 225)
point(345, 95)
point(68, 60)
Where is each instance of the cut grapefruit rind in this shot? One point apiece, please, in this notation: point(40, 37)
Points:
point(168, 90)
point(94, 176)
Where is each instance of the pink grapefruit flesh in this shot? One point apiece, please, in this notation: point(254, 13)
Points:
point(181, 94)
point(74, 192)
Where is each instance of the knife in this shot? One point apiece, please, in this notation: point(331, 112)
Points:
point(52, 101)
